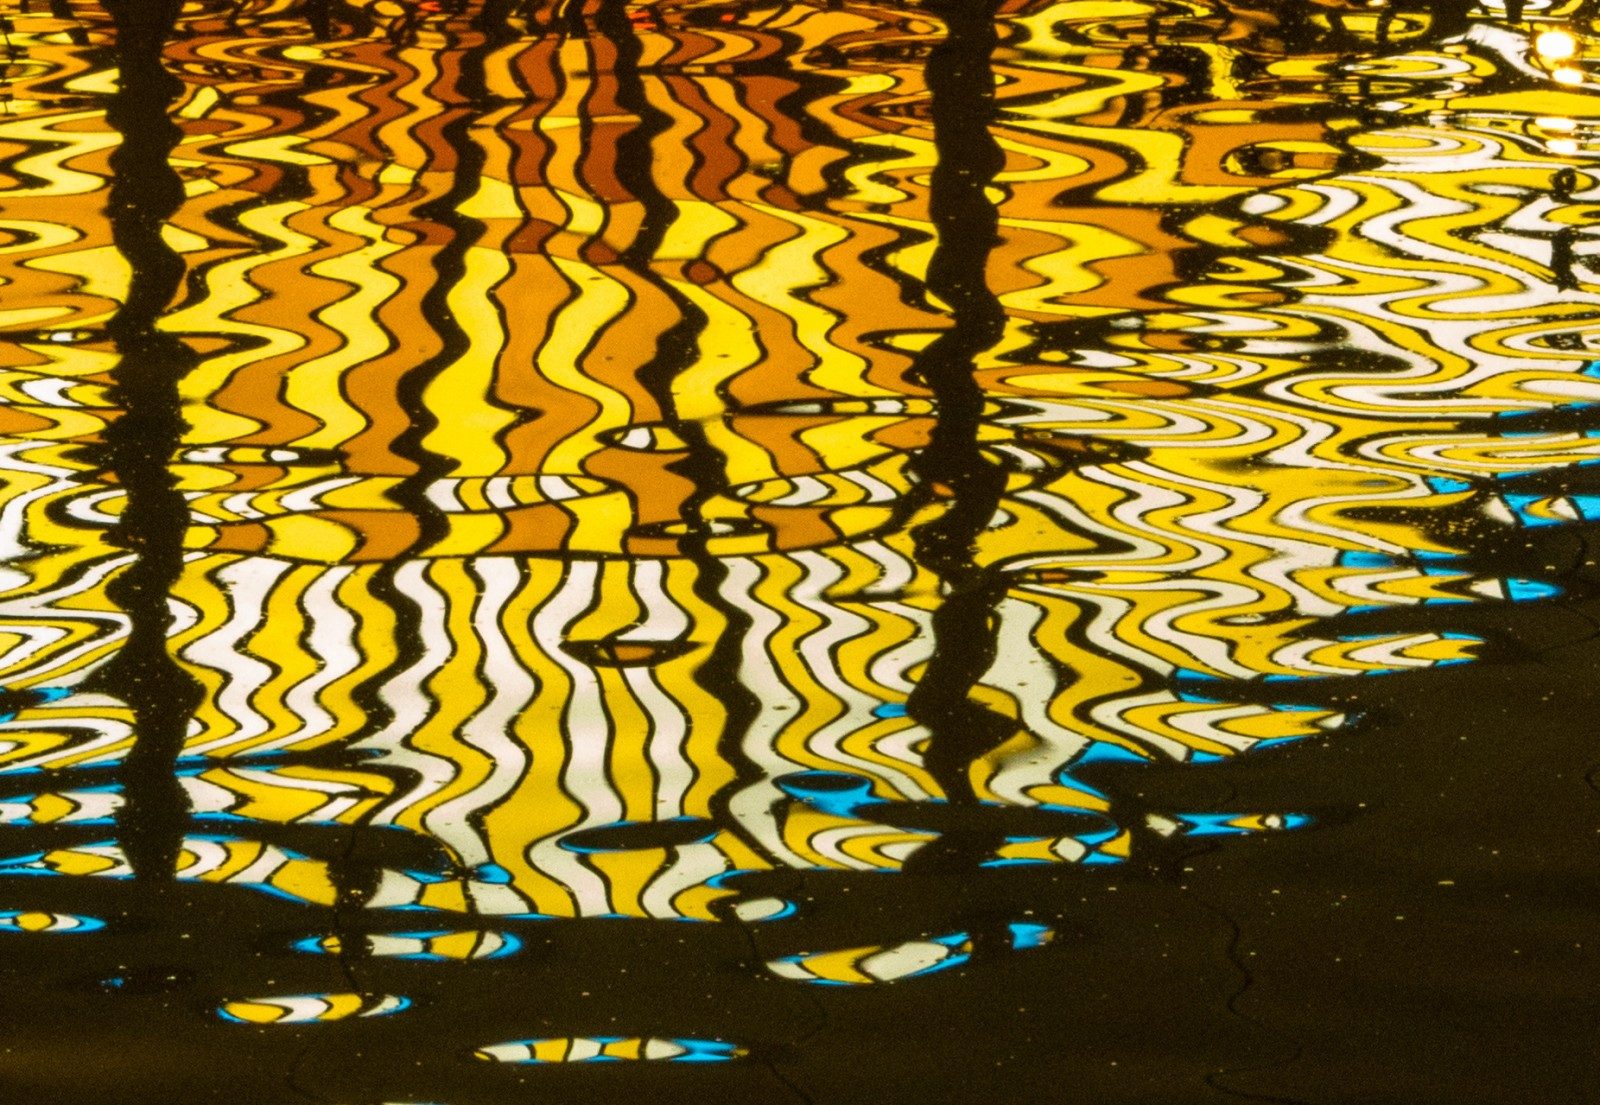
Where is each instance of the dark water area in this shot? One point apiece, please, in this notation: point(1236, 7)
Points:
point(1019, 552)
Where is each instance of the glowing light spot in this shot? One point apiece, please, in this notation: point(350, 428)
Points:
point(1556, 46)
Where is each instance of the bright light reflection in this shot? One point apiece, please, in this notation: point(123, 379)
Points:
point(1556, 45)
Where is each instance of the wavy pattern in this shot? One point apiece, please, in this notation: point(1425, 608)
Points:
point(617, 458)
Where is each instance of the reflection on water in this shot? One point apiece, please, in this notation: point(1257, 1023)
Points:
point(487, 483)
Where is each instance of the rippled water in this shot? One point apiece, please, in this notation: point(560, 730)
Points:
point(822, 551)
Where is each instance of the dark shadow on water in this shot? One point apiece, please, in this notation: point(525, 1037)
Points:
point(140, 443)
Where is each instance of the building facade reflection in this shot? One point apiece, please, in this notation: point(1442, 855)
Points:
point(582, 464)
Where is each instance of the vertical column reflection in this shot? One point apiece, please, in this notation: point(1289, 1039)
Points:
point(960, 78)
point(139, 444)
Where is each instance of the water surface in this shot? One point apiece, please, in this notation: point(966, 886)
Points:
point(837, 552)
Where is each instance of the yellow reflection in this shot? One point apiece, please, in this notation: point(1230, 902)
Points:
point(540, 551)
